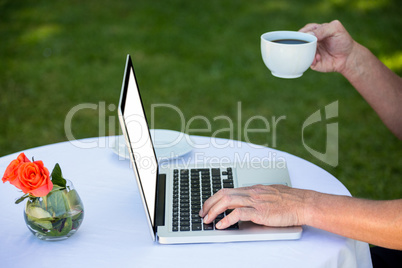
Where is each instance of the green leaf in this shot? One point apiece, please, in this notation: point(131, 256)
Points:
point(74, 199)
point(57, 177)
point(57, 188)
point(22, 198)
point(38, 213)
point(56, 203)
point(61, 227)
point(44, 224)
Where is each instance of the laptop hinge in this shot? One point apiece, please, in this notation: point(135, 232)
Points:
point(160, 200)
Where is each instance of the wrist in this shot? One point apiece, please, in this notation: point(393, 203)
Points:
point(309, 200)
point(354, 63)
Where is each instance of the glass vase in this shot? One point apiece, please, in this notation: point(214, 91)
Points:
point(56, 216)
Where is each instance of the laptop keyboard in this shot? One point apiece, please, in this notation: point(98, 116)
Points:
point(191, 188)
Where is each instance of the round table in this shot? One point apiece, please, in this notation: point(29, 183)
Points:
point(115, 231)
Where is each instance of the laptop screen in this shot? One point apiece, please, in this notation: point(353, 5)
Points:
point(138, 136)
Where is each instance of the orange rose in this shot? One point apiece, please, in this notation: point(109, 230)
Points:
point(11, 172)
point(31, 177)
point(34, 178)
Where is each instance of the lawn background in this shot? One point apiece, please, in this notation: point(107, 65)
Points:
point(203, 57)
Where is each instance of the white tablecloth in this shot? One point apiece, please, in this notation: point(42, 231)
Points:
point(114, 232)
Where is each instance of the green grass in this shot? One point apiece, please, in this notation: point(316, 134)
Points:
point(203, 57)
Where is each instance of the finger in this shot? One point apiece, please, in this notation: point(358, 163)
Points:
point(316, 60)
point(210, 202)
point(309, 27)
point(238, 214)
point(224, 203)
point(328, 30)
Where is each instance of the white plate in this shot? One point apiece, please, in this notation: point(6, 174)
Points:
point(167, 143)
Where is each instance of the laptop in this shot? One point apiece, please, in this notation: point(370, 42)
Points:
point(173, 195)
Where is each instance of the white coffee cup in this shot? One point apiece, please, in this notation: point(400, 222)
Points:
point(288, 60)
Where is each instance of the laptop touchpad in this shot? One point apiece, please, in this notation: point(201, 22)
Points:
point(263, 174)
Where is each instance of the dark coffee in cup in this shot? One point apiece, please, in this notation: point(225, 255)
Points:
point(290, 41)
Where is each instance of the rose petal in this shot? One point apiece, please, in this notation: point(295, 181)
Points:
point(43, 190)
point(11, 172)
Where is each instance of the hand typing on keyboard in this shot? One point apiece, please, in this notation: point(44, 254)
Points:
point(275, 205)
point(191, 188)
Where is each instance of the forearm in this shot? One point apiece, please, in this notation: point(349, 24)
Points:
point(375, 222)
point(378, 85)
